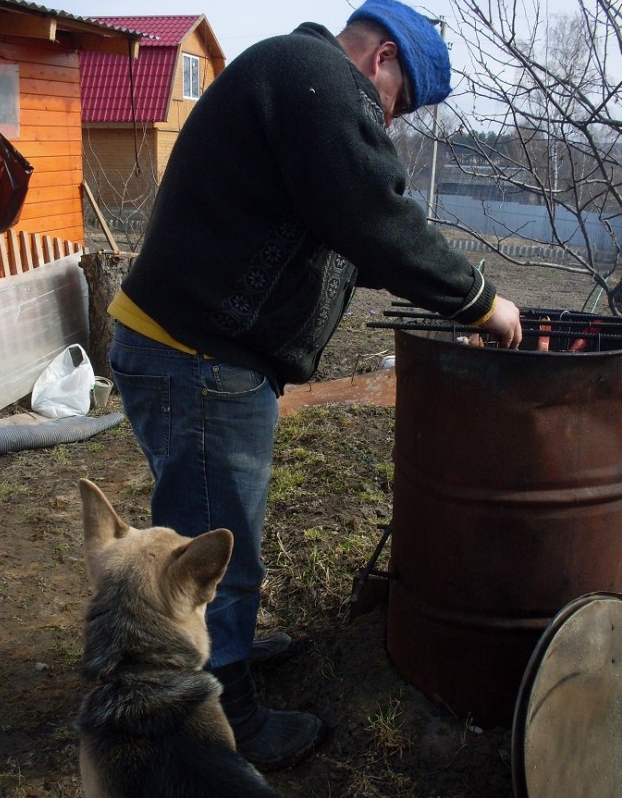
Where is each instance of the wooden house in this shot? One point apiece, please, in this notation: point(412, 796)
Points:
point(42, 310)
point(132, 112)
point(40, 113)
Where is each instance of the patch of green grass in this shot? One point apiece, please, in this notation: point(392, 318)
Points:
point(9, 490)
point(141, 488)
point(285, 484)
point(315, 533)
point(67, 654)
point(386, 729)
point(331, 488)
point(59, 454)
point(121, 430)
point(370, 496)
point(385, 472)
point(65, 734)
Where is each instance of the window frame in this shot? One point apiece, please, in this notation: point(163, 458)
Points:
point(9, 100)
point(190, 76)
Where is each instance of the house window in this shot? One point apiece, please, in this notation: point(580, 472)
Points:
point(191, 77)
point(9, 100)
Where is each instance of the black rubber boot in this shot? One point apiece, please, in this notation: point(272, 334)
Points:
point(270, 739)
point(272, 650)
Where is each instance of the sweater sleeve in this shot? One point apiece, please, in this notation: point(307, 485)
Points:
point(324, 121)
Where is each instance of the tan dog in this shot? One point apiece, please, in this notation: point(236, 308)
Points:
point(153, 725)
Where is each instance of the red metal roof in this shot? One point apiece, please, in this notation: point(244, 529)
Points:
point(170, 30)
point(106, 80)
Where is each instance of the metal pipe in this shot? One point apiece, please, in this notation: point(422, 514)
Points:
point(435, 128)
point(571, 331)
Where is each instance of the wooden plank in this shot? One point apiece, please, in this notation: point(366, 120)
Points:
point(49, 56)
point(58, 229)
point(69, 234)
point(63, 219)
point(15, 261)
point(49, 96)
point(48, 249)
point(56, 101)
point(100, 216)
point(50, 208)
point(66, 129)
point(24, 248)
point(64, 165)
point(69, 208)
point(52, 148)
point(64, 121)
point(49, 192)
point(29, 27)
point(45, 181)
point(106, 44)
point(77, 235)
point(55, 227)
point(4, 258)
point(37, 251)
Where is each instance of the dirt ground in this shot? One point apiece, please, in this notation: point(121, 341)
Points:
point(386, 738)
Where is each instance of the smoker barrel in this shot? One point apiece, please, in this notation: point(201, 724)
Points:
point(507, 505)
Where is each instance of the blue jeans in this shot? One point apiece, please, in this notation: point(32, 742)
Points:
point(207, 430)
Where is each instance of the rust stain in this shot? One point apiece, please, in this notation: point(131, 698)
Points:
point(375, 388)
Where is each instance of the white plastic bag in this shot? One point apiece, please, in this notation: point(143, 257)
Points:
point(64, 388)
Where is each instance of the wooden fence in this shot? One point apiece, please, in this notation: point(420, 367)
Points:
point(21, 252)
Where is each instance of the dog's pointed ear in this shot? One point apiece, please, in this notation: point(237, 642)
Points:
point(199, 565)
point(101, 524)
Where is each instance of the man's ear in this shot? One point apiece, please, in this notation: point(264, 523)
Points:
point(385, 51)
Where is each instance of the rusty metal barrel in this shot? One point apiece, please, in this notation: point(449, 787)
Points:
point(507, 505)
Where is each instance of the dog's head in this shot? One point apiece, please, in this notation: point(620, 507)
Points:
point(164, 579)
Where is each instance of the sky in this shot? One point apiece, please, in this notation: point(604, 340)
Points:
point(236, 23)
point(239, 23)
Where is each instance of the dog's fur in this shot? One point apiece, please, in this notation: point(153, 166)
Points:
point(153, 725)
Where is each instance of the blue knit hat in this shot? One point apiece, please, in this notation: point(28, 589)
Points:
point(422, 51)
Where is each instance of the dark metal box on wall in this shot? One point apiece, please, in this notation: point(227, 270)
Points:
point(507, 500)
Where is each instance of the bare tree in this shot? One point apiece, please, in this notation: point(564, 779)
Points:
point(415, 138)
point(126, 192)
point(538, 111)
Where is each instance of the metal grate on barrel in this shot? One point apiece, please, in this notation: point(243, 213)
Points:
point(544, 329)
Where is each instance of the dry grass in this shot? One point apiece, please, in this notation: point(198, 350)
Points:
point(330, 491)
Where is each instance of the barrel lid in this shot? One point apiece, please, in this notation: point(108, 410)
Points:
point(567, 729)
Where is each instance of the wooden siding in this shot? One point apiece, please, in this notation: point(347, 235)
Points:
point(166, 139)
point(108, 149)
point(180, 107)
point(110, 166)
point(49, 137)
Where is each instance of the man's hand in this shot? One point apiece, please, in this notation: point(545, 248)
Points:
point(505, 324)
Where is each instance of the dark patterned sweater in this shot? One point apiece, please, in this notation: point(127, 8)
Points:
point(283, 192)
